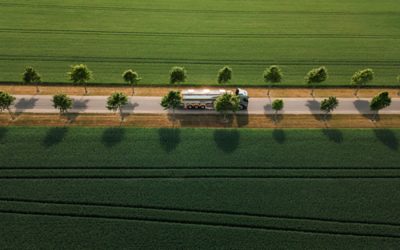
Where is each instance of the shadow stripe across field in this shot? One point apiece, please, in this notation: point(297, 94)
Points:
point(194, 61)
point(198, 34)
point(372, 230)
point(196, 11)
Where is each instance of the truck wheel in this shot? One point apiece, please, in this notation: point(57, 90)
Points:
point(242, 107)
point(202, 107)
point(189, 106)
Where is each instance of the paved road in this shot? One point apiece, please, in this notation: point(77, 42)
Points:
point(140, 104)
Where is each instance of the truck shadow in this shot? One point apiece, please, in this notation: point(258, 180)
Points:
point(227, 139)
point(169, 138)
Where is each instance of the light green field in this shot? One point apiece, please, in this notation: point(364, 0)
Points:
point(151, 37)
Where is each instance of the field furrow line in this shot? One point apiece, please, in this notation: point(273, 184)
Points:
point(199, 211)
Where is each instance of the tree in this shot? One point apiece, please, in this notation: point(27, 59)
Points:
point(177, 75)
point(30, 75)
point(80, 74)
point(362, 77)
point(227, 102)
point(328, 105)
point(6, 100)
point(315, 76)
point(224, 75)
point(115, 102)
point(62, 102)
point(277, 105)
point(132, 78)
point(273, 74)
point(172, 100)
point(379, 102)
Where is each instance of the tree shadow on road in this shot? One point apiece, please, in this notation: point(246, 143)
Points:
point(334, 135)
point(388, 138)
point(314, 106)
point(128, 109)
point(227, 139)
point(362, 106)
point(169, 138)
point(24, 104)
point(112, 136)
point(54, 136)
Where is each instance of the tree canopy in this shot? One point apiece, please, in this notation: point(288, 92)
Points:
point(380, 101)
point(329, 104)
point(62, 102)
point(177, 75)
point(116, 100)
point(317, 75)
point(224, 75)
point(277, 105)
point(6, 100)
point(172, 100)
point(130, 76)
point(80, 74)
point(362, 77)
point(227, 102)
point(273, 74)
point(30, 75)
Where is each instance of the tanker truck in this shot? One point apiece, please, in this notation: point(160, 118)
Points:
point(204, 98)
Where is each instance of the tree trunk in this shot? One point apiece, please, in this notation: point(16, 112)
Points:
point(312, 91)
point(121, 115)
point(374, 116)
point(326, 116)
point(276, 116)
point(133, 90)
point(86, 92)
point(398, 93)
point(37, 88)
point(269, 90)
point(356, 92)
point(11, 114)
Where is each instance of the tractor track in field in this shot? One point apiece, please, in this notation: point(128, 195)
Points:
point(198, 34)
point(191, 177)
point(195, 61)
point(198, 211)
point(196, 11)
point(205, 222)
point(195, 223)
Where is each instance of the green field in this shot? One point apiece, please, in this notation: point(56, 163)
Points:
point(202, 36)
point(199, 188)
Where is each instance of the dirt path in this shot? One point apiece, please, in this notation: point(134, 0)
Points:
point(160, 91)
point(207, 121)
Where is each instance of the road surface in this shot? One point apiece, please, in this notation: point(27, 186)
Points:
point(151, 105)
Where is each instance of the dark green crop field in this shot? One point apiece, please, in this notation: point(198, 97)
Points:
point(202, 36)
point(136, 188)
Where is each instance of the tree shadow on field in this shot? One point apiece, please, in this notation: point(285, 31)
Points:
point(279, 135)
point(169, 138)
point(3, 132)
point(388, 138)
point(112, 136)
point(227, 139)
point(334, 135)
point(54, 136)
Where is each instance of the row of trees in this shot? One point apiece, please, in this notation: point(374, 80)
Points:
point(223, 104)
point(80, 74)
